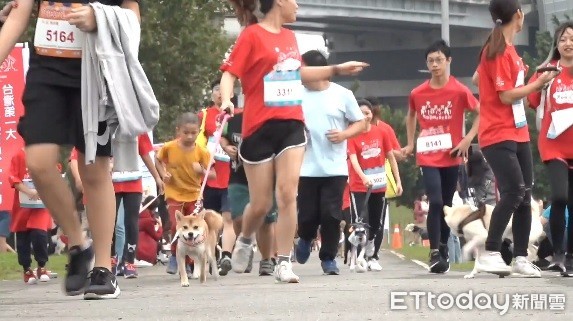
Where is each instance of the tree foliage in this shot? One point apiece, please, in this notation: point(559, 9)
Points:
point(182, 47)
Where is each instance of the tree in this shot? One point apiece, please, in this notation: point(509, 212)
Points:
point(182, 47)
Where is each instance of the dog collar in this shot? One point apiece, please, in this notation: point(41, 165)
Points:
point(197, 241)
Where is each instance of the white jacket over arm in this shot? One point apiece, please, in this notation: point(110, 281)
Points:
point(115, 88)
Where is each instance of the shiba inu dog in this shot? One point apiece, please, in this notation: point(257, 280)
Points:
point(473, 224)
point(197, 238)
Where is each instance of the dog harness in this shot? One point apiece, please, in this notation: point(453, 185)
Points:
point(474, 216)
point(197, 241)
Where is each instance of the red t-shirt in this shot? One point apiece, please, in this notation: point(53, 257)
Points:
point(256, 53)
point(560, 98)
point(346, 197)
point(440, 113)
point(222, 168)
point(390, 133)
point(24, 219)
point(496, 118)
point(370, 149)
point(145, 147)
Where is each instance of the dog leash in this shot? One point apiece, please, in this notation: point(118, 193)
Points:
point(359, 218)
point(222, 119)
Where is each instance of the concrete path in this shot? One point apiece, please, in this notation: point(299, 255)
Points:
point(156, 295)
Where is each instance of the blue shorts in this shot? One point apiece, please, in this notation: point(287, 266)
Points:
point(4, 223)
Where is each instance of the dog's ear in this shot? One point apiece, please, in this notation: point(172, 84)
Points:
point(178, 216)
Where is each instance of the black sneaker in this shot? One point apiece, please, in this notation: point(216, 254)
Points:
point(568, 266)
point(77, 270)
point(437, 263)
point(557, 263)
point(103, 285)
point(445, 254)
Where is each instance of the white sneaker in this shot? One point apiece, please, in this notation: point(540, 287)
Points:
point(240, 256)
point(373, 265)
point(284, 273)
point(523, 268)
point(492, 262)
point(141, 263)
point(369, 248)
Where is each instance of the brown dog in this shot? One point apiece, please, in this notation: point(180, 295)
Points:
point(197, 238)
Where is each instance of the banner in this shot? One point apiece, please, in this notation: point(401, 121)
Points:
point(12, 81)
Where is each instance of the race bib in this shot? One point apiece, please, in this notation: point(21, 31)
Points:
point(220, 154)
point(519, 114)
point(377, 176)
point(518, 107)
point(119, 177)
point(283, 88)
point(27, 202)
point(55, 36)
point(433, 143)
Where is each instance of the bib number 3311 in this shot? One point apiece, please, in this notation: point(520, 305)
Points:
point(55, 36)
point(283, 88)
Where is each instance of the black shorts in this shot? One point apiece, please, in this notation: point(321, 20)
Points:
point(53, 115)
point(271, 139)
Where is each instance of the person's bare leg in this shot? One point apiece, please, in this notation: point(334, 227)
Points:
point(288, 172)
point(42, 161)
point(261, 179)
point(265, 240)
point(4, 246)
point(238, 225)
point(229, 235)
point(100, 196)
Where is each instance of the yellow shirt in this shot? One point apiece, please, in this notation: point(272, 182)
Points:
point(185, 183)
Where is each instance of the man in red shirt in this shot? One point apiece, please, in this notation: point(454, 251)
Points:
point(439, 105)
point(215, 196)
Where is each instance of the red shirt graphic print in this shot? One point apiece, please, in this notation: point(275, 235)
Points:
point(440, 114)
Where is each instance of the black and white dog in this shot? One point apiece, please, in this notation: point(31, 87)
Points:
point(357, 239)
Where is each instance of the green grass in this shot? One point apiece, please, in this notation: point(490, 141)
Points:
point(11, 270)
point(404, 216)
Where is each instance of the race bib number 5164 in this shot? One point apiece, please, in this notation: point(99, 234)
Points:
point(55, 36)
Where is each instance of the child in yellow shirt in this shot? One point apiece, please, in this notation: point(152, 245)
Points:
point(182, 166)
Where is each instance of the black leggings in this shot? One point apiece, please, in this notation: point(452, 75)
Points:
point(320, 204)
point(372, 214)
point(38, 239)
point(561, 182)
point(512, 166)
point(131, 205)
point(440, 184)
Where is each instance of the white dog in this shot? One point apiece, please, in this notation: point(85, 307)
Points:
point(473, 224)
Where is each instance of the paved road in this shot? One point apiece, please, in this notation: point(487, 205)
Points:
point(367, 296)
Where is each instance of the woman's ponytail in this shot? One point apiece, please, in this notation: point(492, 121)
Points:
point(245, 11)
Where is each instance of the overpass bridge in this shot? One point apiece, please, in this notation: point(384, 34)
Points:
point(392, 35)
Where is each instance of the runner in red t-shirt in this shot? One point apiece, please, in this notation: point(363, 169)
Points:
point(504, 138)
point(367, 155)
point(556, 147)
point(128, 188)
point(215, 196)
point(30, 221)
point(266, 59)
point(439, 106)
